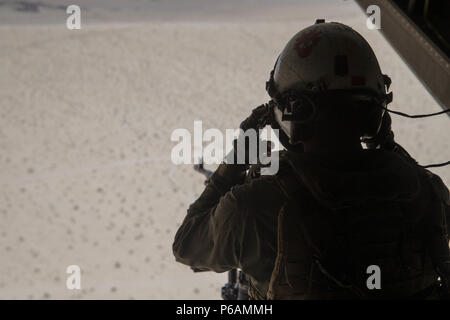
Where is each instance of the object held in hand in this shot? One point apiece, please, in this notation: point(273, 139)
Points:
point(260, 117)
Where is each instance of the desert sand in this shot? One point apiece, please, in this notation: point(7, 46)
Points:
point(85, 123)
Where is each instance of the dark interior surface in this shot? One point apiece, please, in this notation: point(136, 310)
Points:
point(432, 17)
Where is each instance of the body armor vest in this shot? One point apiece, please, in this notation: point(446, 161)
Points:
point(325, 253)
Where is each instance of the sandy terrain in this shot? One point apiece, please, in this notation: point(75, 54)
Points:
point(85, 123)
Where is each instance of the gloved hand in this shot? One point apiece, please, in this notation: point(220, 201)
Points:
point(236, 168)
point(259, 118)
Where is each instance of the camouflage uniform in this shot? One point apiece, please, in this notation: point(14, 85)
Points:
point(311, 230)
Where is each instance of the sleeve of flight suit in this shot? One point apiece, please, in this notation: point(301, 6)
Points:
point(209, 237)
